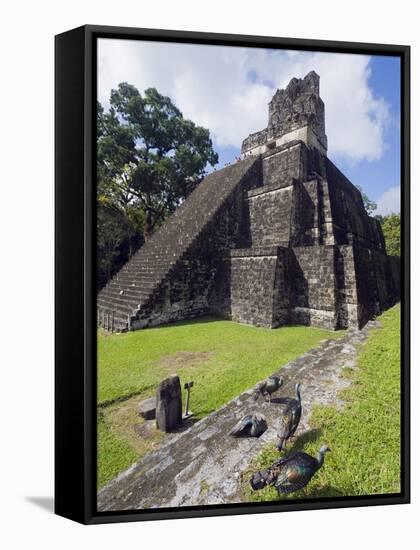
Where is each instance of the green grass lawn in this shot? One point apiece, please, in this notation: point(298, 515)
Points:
point(223, 359)
point(364, 437)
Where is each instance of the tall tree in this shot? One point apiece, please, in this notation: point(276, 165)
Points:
point(370, 206)
point(391, 227)
point(149, 157)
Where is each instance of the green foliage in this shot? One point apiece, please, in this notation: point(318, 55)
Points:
point(114, 454)
point(149, 157)
point(364, 437)
point(391, 227)
point(370, 206)
point(117, 239)
point(222, 357)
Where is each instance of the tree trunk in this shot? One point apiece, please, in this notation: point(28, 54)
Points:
point(148, 228)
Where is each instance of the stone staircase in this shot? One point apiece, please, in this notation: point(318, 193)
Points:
point(133, 285)
point(140, 278)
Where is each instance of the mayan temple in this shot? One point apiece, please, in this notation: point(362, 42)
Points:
point(280, 237)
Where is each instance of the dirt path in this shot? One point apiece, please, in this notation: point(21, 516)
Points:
point(202, 465)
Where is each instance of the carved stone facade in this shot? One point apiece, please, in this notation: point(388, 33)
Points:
point(281, 237)
point(295, 113)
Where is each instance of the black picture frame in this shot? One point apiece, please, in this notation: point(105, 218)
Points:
point(75, 289)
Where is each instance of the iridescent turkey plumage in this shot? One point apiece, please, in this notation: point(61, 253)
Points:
point(268, 387)
point(291, 473)
point(252, 424)
point(289, 421)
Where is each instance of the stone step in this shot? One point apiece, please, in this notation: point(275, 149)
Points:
point(119, 315)
point(151, 271)
point(144, 273)
point(164, 248)
point(119, 306)
point(119, 302)
point(147, 263)
point(126, 298)
point(130, 293)
point(154, 276)
point(115, 328)
point(146, 277)
point(139, 283)
point(141, 272)
point(154, 262)
point(128, 279)
point(120, 321)
point(146, 268)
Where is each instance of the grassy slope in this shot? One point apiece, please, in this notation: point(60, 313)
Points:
point(365, 436)
point(224, 359)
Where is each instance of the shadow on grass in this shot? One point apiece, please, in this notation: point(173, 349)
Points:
point(327, 491)
point(324, 492)
point(207, 319)
point(299, 443)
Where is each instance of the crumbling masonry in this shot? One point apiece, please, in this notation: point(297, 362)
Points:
point(280, 237)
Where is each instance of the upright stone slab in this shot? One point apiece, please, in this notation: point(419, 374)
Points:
point(169, 404)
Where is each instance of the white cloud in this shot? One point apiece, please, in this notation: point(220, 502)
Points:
point(389, 202)
point(213, 87)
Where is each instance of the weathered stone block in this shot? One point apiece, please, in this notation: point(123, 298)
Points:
point(147, 408)
point(169, 404)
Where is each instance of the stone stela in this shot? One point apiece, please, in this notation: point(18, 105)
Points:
point(280, 237)
point(169, 404)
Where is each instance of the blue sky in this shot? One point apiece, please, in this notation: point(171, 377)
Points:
point(376, 177)
point(227, 89)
